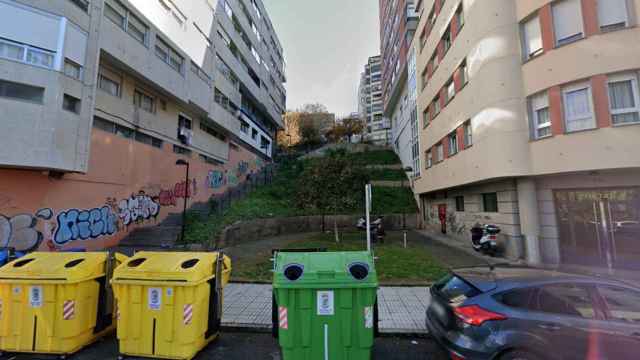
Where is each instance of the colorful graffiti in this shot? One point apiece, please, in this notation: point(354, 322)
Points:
point(25, 232)
point(75, 224)
point(138, 208)
point(180, 190)
point(215, 179)
point(243, 168)
point(232, 178)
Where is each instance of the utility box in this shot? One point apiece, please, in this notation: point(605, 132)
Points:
point(169, 303)
point(56, 303)
point(325, 305)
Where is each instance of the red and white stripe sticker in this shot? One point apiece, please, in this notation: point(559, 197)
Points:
point(68, 309)
point(284, 319)
point(187, 314)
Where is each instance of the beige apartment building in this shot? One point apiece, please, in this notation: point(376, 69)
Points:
point(530, 119)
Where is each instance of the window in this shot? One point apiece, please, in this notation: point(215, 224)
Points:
point(184, 122)
point(460, 203)
point(21, 92)
point(490, 202)
point(540, 120)
point(460, 17)
point(436, 106)
point(226, 71)
point(244, 127)
point(578, 107)
point(440, 152)
point(82, 4)
point(211, 131)
point(464, 73)
point(624, 99)
point(147, 139)
point(518, 298)
point(40, 57)
point(613, 14)
point(200, 73)
point(169, 55)
point(115, 12)
point(109, 83)
point(255, 54)
point(565, 299)
point(182, 151)
point(71, 103)
point(254, 134)
point(446, 40)
point(531, 38)
point(104, 125)
point(468, 136)
point(137, 29)
point(11, 50)
point(567, 21)
point(621, 304)
point(143, 101)
point(453, 143)
point(451, 90)
point(429, 157)
point(72, 69)
point(227, 9)
point(425, 117)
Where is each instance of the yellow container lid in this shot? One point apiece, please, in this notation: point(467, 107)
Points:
point(66, 267)
point(186, 268)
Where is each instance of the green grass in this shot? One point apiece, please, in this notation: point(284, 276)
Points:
point(387, 174)
point(393, 200)
point(375, 157)
point(394, 263)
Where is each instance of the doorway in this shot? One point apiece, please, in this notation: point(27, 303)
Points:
point(599, 227)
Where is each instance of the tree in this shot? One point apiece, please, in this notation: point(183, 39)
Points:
point(313, 108)
point(309, 134)
point(352, 126)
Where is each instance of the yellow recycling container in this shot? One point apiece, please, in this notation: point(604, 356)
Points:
point(56, 303)
point(169, 303)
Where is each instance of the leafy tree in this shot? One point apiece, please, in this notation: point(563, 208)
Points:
point(313, 108)
point(352, 126)
point(309, 134)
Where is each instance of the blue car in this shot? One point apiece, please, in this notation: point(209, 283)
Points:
point(510, 313)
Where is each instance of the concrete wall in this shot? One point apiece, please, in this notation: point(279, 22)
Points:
point(128, 185)
point(259, 229)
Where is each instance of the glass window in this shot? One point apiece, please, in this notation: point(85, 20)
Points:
point(104, 125)
point(454, 289)
point(143, 101)
point(180, 150)
point(468, 136)
point(451, 90)
point(613, 14)
point(109, 85)
point(40, 57)
point(21, 92)
point(460, 203)
point(72, 69)
point(621, 304)
point(460, 17)
point(532, 37)
point(254, 134)
point(71, 103)
point(440, 152)
point(567, 21)
point(624, 99)
point(115, 12)
point(578, 107)
point(490, 202)
point(436, 105)
point(137, 29)
point(125, 132)
point(169, 55)
point(227, 9)
point(429, 156)
point(540, 120)
point(453, 143)
point(11, 50)
point(565, 299)
point(82, 4)
point(518, 298)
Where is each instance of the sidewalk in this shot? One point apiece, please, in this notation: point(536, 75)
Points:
point(401, 309)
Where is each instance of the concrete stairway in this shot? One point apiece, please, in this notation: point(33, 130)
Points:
point(155, 238)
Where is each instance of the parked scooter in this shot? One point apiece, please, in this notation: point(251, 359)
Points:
point(483, 238)
point(376, 228)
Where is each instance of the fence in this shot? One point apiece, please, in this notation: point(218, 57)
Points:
point(219, 203)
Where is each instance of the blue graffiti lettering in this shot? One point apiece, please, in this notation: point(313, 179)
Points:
point(77, 224)
point(215, 179)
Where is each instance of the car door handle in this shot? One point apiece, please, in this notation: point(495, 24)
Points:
point(550, 327)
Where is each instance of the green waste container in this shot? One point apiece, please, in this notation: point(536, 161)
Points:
point(325, 305)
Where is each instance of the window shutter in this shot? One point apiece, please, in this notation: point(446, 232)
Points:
point(533, 37)
point(612, 12)
point(567, 19)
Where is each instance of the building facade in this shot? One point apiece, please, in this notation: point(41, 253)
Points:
point(370, 104)
point(294, 122)
point(530, 121)
point(102, 97)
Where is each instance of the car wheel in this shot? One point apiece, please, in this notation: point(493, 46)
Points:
point(519, 355)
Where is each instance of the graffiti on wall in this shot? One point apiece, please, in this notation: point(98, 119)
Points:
point(138, 208)
point(180, 190)
point(215, 179)
point(77, 224)
point(232, 178)
point(243, 168)
point(25, 232)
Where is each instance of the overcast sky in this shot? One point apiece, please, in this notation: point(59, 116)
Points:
point(326, 44)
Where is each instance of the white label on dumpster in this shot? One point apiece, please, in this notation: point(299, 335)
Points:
point(35, 296)
point(155, 298)
point(16, 290)
point(325, 302)
point(368, 317)
point(169, 291)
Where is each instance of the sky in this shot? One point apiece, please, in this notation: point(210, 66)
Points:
point(326, 45)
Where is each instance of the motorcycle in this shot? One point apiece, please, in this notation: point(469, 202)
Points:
point(376, 228)
point(483, 238)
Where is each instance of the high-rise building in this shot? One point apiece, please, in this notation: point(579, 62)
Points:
point(100, 99)
point(370, 102)
point(531, 120)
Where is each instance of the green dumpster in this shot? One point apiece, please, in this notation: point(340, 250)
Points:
point(325, 305)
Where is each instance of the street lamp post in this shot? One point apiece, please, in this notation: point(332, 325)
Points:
point(407, 169)
point(182, 162)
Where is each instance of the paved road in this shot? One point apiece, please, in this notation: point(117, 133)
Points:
point(260, 346)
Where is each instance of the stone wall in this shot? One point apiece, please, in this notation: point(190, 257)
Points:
point(254, 230)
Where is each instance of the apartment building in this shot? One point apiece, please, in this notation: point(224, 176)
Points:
point(104, 99)
point(531, 121)
point(370, 104)
point(398, 23)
